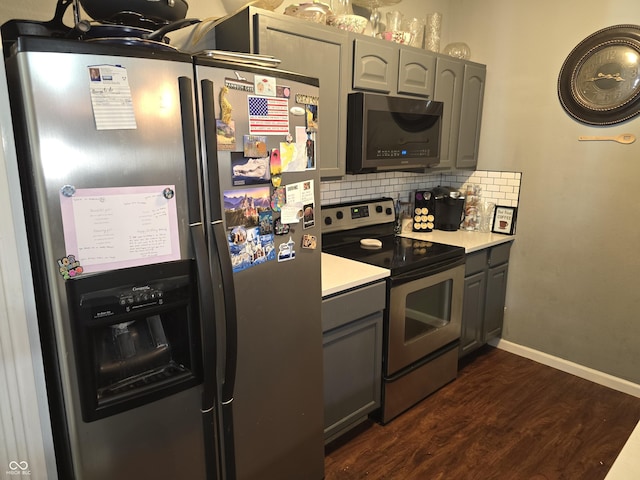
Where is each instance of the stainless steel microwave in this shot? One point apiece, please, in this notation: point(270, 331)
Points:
point(386, 133)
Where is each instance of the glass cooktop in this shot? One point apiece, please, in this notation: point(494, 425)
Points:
point(398, 254)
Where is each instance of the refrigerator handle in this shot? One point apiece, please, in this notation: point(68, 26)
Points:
point(218, 242)
point(218, 245)
point(190, 146)
point(205, 283)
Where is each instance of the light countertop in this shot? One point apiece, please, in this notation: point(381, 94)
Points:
point(339, 274)
point(471, 241)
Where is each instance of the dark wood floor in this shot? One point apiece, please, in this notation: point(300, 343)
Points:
point(504, 417)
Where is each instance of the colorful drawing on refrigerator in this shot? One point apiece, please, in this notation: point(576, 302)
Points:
point(255, 146)
point(249, 171)
point(226, 135)
point(312, 117)
point(310, 150)
point(247, 211)
point(265, 85)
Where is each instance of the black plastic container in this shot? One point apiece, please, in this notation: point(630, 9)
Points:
point(449, 208)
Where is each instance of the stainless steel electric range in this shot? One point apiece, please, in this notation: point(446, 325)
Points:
point(424, 298)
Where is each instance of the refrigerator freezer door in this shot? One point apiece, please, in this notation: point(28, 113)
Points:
point(276, 406)
point(63, 143)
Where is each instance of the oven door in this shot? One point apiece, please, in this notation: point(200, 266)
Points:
point(424, 313)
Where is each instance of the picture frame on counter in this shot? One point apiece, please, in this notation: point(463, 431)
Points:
point(504, 220)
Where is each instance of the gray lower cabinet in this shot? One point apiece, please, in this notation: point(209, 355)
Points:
point(352, 340)
point(307, 48)
point(485, 287)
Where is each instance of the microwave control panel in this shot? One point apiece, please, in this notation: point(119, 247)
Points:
point(402, 153)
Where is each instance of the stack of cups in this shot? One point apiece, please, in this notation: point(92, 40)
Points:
point(341, 7)
point(416, 27)
point(432, 36)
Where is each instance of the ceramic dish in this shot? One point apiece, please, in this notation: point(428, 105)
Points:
point(315, 12)
point(350, 23)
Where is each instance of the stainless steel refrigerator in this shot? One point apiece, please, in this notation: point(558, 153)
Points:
point(169, 203)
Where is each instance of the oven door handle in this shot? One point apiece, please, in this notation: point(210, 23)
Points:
point(433, 269)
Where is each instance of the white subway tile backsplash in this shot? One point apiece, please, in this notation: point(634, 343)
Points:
point(502, 188)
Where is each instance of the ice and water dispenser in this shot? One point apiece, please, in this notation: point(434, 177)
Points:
point(135, 335)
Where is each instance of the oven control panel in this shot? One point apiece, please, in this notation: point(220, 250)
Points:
point(346, 216)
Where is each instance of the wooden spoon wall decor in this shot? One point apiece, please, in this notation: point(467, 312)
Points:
point(625, 138)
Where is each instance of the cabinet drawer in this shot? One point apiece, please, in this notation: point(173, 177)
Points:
point(350, 306)
point(475, 262)
point(499, 254)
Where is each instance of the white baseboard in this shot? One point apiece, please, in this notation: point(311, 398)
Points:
point(587, 373)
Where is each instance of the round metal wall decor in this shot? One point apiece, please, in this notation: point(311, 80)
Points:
point(599, 82)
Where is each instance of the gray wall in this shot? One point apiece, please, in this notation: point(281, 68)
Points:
point(573, 278)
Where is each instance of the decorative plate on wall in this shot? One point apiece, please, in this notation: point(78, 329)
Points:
point(599, 82)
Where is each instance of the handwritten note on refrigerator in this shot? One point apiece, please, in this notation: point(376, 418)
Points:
point(111, 98)
point(110, 228)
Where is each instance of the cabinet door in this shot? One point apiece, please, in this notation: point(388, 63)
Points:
point(471, 115)
point(448, 89)
point(375, 65)
point(319, 52)
point(352, 374)
point(472, 312)
point(495, 300)
point(416, 72)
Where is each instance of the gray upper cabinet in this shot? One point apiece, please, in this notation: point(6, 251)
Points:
point(471, 115)
point(460, 85)
point(375, 65)
point(416, 75)
point(449, 78)
point(385, 67)
point(307, 48)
